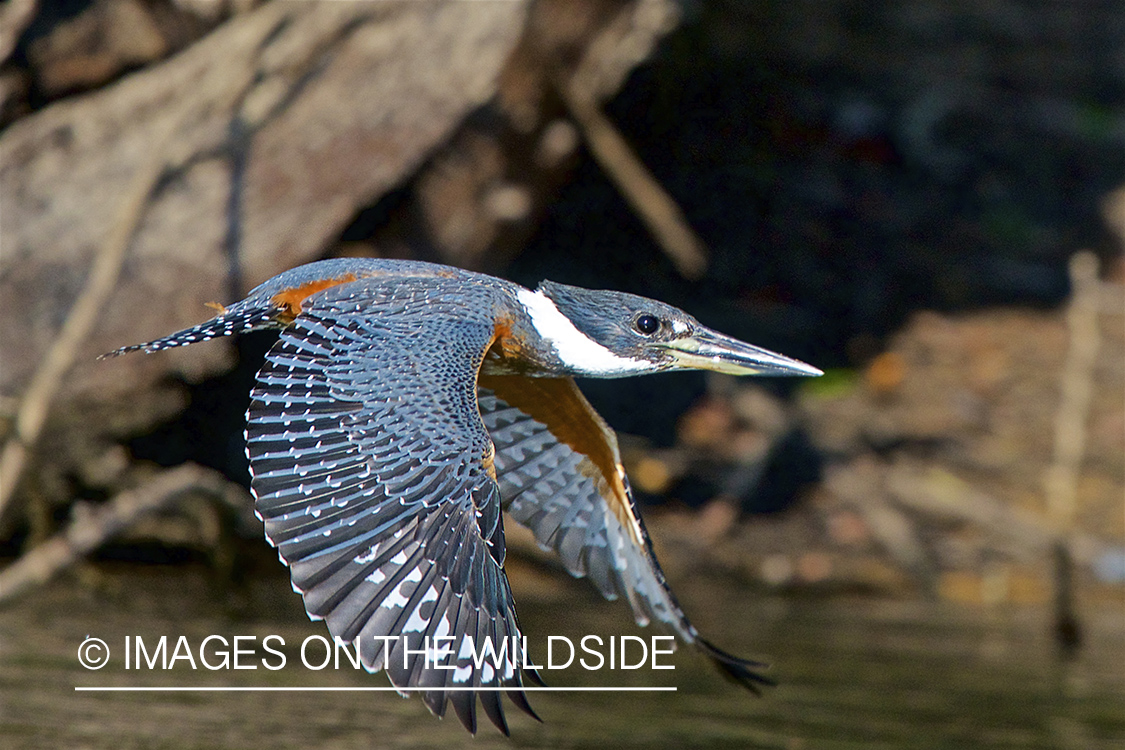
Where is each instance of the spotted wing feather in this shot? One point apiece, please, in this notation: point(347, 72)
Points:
point(367, 458)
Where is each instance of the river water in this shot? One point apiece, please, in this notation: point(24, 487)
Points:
point(853, 672)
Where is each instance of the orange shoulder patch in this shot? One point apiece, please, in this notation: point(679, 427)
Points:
point(290, 299)
point(504, 343)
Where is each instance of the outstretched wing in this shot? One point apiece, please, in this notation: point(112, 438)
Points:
point(560, 474)
point(372, 472)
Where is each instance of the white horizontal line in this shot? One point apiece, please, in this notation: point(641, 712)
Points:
point(228, 689)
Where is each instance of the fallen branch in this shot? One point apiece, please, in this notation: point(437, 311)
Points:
point(90, 528)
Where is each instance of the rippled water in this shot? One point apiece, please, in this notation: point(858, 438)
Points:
point(853, 673)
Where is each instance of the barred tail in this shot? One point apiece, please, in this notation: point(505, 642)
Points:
point(235, 319)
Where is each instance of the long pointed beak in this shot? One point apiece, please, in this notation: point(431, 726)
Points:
point(711, 350)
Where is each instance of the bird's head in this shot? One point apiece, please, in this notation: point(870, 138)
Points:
point(614, 334)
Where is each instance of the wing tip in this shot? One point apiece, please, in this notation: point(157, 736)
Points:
point(534, 676)
point(519, 698)
point(465, 706)
point(746, 672)
point(494, 709)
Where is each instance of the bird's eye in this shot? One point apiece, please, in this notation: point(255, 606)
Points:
point(647, 324)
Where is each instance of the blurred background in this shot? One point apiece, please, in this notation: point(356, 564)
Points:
point(925, 199)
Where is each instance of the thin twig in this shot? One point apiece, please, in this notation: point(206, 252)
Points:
point(1077, 387)
point(629, 39)
point(1077, 390)
point(91, 529)
point(655, 207)
point(616, 51)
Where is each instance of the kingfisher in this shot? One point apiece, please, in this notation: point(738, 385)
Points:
point(404, 406)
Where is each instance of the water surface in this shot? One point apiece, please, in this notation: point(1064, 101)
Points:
point(853, 673)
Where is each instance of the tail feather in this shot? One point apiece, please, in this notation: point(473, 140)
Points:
point(233, 320)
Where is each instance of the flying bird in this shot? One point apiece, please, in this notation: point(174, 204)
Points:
point(403, 407)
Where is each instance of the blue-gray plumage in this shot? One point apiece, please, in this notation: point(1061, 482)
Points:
point(404, 406)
